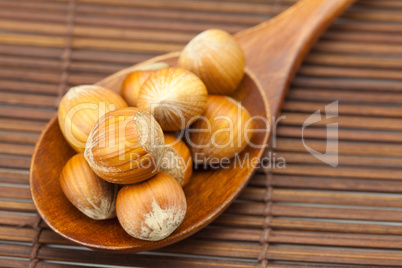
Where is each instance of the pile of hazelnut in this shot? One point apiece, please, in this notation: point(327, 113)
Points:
point(131, 161)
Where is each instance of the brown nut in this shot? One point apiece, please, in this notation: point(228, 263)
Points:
point(153, 209)
point(216, 58)
point(81, 107)
point(125, 146)
point(132, 84)
point(93, 196)
point(224, 131)
point(174, 96)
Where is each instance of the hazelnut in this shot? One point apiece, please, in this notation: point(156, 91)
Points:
point(177, 160)
point(173, 96)
point(93, 196)
point(81, 107)
point(216, 58)
point(125, 146)
point(222, 132)
point(153, 209)
point(132, 84)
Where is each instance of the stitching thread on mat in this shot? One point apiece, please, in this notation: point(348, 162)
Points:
point(65, 58)
point(33, 258)
point(66, 55)
point(264, 239)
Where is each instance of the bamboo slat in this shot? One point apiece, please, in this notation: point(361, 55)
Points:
point(330, 183)
point(195, 15)
point(15, 192)
point(383, 4)
point(17, 206)
point(19, 86)
point(356, 122)
point(337, 213)
point(12, 161)
point(343, 160)
point(23, 125)
point(366, 27)
point(335, 256)
point(141, 260)
point(18, 137)
point(343, 134)
point(373, 110)
point(339, 172)
point(345, 147)
point(27, 99)
point(316, 225)
point(14, 175)
point(363, 37)
point(365, 61)
point(358, 48)
point(17, 220)
point(349, 72)
point(193, 5)
point(331, 83)
point(31, 113)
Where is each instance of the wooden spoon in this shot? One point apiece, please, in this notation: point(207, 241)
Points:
point(273, 50)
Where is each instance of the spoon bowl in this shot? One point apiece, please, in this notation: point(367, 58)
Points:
point(273, 53)
point(208, 193)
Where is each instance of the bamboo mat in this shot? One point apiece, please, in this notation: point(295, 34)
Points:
point(308, 214)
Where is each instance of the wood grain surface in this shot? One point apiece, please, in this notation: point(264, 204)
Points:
point(308, 214)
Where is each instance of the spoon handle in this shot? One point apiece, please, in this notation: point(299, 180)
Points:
point(275, 49)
